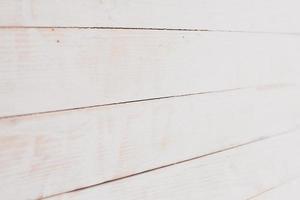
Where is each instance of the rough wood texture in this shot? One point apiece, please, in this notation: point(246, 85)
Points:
point(235, 174)
point(149, 99)
point(53, 69)
point(42, 155)
point(246, 15)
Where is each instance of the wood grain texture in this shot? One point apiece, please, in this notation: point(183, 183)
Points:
point(288, 190)
point(42, 155)
point(54, 69)
point(235, 174)
point(246, 15)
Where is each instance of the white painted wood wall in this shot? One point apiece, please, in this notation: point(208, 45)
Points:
point(149, 99)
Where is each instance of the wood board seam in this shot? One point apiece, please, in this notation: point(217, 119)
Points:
point(273, 188)
point(257, 140)
point(150, 29)
point(147, 99)
point(127, 102)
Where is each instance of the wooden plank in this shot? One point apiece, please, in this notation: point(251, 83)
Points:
point(53, 69)
point(42, 155)
point(235, 174)
point(246, 15)
point(288, 190)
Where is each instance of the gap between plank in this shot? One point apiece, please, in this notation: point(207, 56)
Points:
point(273, 188)
point(144, 100)
point(123, 102)
point(148, 29)
point(290, 131)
